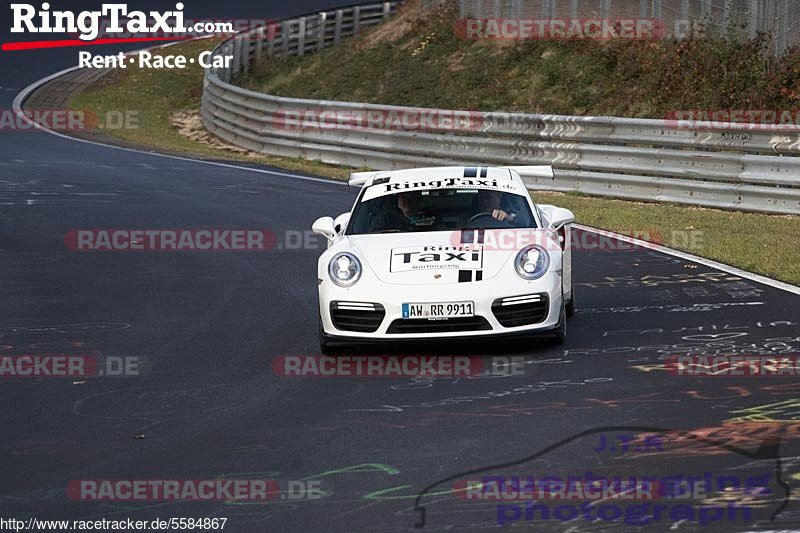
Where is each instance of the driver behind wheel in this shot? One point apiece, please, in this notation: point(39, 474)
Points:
point(489, 202)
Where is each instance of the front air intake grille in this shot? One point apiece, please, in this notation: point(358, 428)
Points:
point(521, 310)
point(450, 325)
point(362, 317)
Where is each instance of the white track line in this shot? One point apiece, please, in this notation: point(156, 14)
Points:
point(26, 92)
point(695, 259)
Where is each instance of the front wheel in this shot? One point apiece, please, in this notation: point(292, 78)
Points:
point(571, 303)
point(325, 346)
point(560, 333)
point(570, 307)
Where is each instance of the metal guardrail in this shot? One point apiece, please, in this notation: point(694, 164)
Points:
point(729, 166)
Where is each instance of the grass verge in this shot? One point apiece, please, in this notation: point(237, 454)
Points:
point(764, 244)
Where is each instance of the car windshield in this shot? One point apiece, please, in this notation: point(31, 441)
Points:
point(440, 210)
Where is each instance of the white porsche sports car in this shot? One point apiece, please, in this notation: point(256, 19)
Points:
point(446, 252)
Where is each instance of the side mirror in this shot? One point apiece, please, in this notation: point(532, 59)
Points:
point(557, 216)
point(324, 226)
point(561, 217)
point(340, 222)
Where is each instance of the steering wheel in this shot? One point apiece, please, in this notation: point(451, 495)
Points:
point(485, 220)
point(478, 216)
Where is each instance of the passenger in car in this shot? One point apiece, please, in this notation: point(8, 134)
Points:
point(398, 213)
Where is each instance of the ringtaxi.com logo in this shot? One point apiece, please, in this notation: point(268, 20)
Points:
point(87, 23)
point(113, 24)
point(223, 27)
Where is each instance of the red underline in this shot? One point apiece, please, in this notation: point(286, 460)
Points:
point(35, 45)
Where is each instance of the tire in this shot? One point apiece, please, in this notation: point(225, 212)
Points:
point(325, 346)
point(560, 333)
point(570, 308)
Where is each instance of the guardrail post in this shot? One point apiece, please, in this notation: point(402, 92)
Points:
point(727, 15)
point(337, 29)
point(271, 31)
point(705, 10)
point(754, 18)
point(685, 10)
point(259, 32)
point(244, 51)
point(301, 36)
point(387, 10)
point(356, 19)
point(781, 37)
point(285, 37)
point(605, 9)
point(237, 54)
point(229, 50)
point(323, 21)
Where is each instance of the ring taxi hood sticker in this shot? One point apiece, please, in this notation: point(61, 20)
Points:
point(421, 184)
point(439, 257)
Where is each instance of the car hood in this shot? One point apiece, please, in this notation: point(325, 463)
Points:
point(443, 257)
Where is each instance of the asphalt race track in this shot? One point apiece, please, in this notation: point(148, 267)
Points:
point(211, 324)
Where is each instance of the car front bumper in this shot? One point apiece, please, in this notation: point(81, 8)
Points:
point(494, 316)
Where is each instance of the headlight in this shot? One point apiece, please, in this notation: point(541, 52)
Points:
point(344, 269)
point(532, 262)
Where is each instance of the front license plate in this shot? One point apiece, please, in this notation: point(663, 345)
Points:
point(439, 310)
